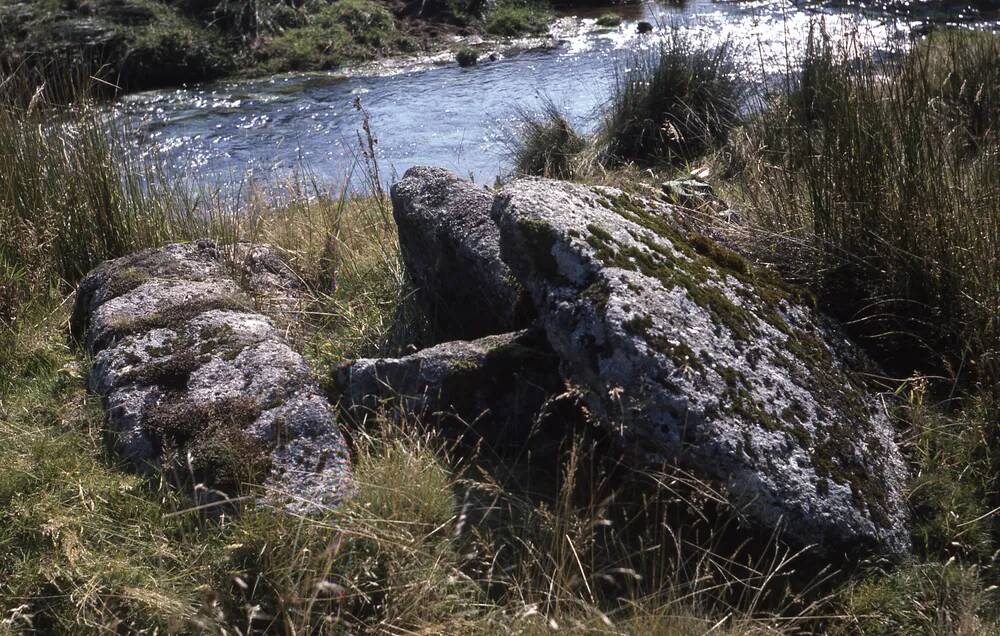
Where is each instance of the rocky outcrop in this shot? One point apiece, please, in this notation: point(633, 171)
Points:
point(451, 249)
point(691, 355)
point(491, 388)
point(194, 380)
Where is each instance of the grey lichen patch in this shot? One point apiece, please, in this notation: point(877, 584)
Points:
point(677, 350)
point(829, 447)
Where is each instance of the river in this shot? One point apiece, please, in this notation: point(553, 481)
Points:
point(431, 111)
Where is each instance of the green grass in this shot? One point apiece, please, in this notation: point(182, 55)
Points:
point(512, 18)
point(434, 540)
point(557, 534)
point(151, 43)
point(141, 43)
point(84, 545)
point(88, 547)
point(347, 30)
point(932, 598)
point(672, 103)
point(71, 198)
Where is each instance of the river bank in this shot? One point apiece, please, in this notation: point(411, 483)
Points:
point(137, 44)
point(427, 110)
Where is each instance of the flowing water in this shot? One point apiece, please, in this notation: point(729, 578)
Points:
point(431, 111)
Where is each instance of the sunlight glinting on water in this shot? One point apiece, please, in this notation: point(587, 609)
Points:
point(430, 111)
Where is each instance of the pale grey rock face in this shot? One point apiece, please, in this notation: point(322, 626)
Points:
point(194, 380)
point(490, 388)
point(451, 249)
point(691, 355)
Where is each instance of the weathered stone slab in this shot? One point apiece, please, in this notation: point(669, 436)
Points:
point(193, 378)
point(693, 356)
point(492, 387)
point(451, 249)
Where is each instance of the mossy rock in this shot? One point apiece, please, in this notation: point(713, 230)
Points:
point(695, 356)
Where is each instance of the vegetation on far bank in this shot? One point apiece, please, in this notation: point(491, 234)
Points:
point(136, 44)
point(832, 189)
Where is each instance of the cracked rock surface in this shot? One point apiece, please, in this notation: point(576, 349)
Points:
point(193, 379)
point(689, 354)
point(451, 249)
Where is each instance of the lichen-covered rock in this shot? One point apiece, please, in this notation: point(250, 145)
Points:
point(492, 387)
point(691, 355)
point(451, 249)
point(194, 379)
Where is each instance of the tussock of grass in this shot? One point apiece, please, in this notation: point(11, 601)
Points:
point(672, 103)
point(932, 598)
point(953, 481)
point(881, 185)
point(512, 18)
point(70, 197)
point(466, 56)
point(546, 144)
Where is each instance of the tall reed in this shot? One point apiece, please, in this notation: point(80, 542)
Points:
point(878, 183)
point(546, 144)
point(71, 193)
